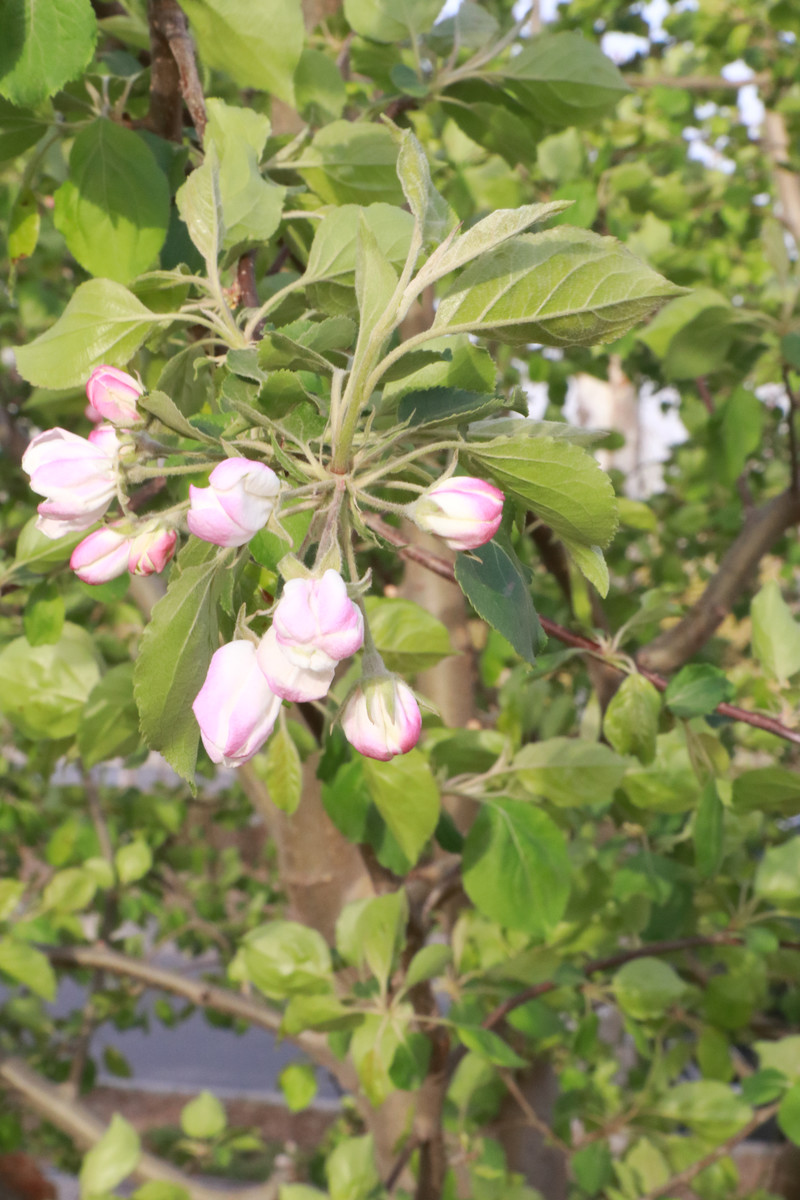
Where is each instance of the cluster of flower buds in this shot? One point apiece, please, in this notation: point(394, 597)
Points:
point(463, 511)
point(315, 626)
point(111, 551)
point(238, 501)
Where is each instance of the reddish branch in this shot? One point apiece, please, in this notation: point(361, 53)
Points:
point(441, 566)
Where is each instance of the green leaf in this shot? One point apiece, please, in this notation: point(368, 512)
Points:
point(493, 581)
point(43, 688)
point(564, 79)
point(113, 209)
point(708, 1107)
point(630, 723)
point(283, 771)
point(284, 958)
point(378, 933)
point(693, 334)
point(446, 406)
point(133, 861)
point(257, 46)
point(330, 273)
point(43, 618)
point(351, 1170)
point(69, 890)
point(45, 43)
point(789, 1114)
point(647, 987)
point(776, 634)
point(406, 796)
point(324, 1012)
point(560, 481)
point(251, 205)
point(569, 771)
point(19, 129)
point(562, 287)
point(428, 963)
point(697, 689)
point(516, 867)
point(782, 1055)
point(27, 965)
point(350, 163)
point(298, 1082)
point(320, 93)
point(109, 724)
point(175, 652)
point(111, 1160)
point(487, 234)
point(407, 637)
point(777, 877)
point(590, 562)
point(430, 209)
point(767, 789)
point(203, 1117)
point(23, 226)
point(708, 832)
point(376, 282)
point(200, 206)
point(490, 1046)
point(156, 1190)
point(493, 119)
point(668, 783)
point(11, 892)
point(391, 20)
point(103, 323)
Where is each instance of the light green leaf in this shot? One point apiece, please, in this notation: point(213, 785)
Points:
point(490, 1046)
point(560, 481)
point(175, 652)
point(782, 1055)
point(200, 206)
point(349, 163)
point(156, 1190)
point(351, 1169)
point(43, 618)
point(493, 581)
point(776, 634)
point(113, 209)
point(591, 563)
point(283, 771)
point(45, 43)
point(562, 287)
point(258, 46)
point(251, 205)
point(569, 772)
point(407, 637)
point(133, 861)
point(69, 890)
point(430, 209)
point(24, 223)
point(630, 723)
point(103, 323)
point(203, 1117)
point(516, 867)
point(778, 874)
point(11, 891)
point(285, 958)
point(708, 832)
point(379, 932)
point(668, 783)
point(486, 234)
point(428, 963)
point(709, 1108)
point(111, 1160)
point(320, 93)
point(406, 796)
point(298, 1082)
point(789, 1114)
point(564, 79)
point(693, 334)
point(43, 688)
point(27, 965)
point(767, 789)
point(391, 20)
point(109, 724)
point(376, 281)
point(697, 689)
point(647, 987)
point(330, 274)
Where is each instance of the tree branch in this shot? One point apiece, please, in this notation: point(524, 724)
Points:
point(173, 77)
point(761, 530)
point(697, 83)
point(75, 1120)
point(775, 142)
point(689, 1173)
point(441, 566)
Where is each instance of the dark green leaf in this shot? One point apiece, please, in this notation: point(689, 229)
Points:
point(493, 581)
point(109, 724)
point(446, 406)
point(697, 689)
point(43, 619)
point(564, 79)
point(631, 720)
point(767, 789)
point(708, 832)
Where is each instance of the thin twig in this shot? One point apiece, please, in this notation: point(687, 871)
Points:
point(440, 566)
point(793, 405)
point(531, 1116)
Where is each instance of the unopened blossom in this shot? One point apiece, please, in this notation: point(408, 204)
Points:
point(286, 678)
point(150, 550)
point(101, 556)
point(113, 394)
point(316, 623)
point(381, 718)
point(238, 501)
point(462, 510)
point(235, 708)
point(77, 476)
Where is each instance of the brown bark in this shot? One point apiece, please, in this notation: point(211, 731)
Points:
point(173, 73)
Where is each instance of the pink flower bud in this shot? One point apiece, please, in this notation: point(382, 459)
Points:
point(113, 394)
point(151, 550)
point(316, 622)
point(465, 512)
point(236, 504)
point(285, 678)
point(101, 556)
point(78, 477)
point(235, 708)
point(382, 718)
